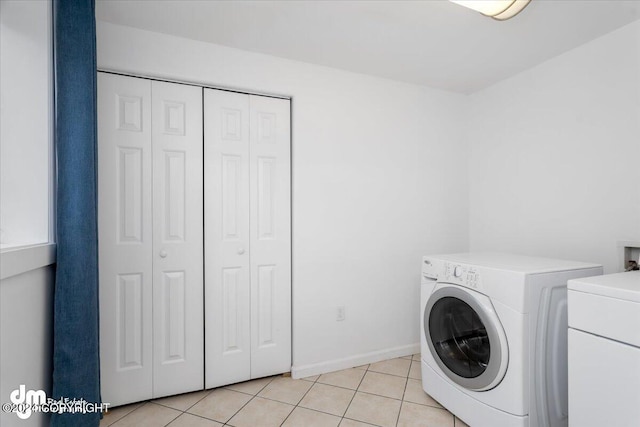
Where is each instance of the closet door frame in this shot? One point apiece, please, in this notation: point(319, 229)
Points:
point(256, 341)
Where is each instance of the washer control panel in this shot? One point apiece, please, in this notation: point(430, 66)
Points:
point(462, 274)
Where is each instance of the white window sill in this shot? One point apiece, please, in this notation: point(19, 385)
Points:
point(18, 260)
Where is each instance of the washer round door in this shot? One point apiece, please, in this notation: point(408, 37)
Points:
point(465, 337)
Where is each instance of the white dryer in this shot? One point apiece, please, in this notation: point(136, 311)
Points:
point(494, 336)
point(604, 350)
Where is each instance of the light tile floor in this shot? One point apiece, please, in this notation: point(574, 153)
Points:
point(384, 394)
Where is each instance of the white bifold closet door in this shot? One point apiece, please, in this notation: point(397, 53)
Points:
point(150, 219)
point(247, 237)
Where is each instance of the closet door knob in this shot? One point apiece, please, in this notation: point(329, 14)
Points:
point(240, 251)
point(163, 254)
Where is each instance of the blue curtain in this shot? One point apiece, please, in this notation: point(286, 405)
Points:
point(76, 363)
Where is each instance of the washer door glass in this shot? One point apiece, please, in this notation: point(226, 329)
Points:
point(465, 338)
point(459, 337)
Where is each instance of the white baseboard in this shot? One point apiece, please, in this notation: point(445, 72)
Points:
point(353, 361)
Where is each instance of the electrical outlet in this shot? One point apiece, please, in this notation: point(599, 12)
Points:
point(340, 313)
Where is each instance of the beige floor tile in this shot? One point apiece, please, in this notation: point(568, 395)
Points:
point(346, 422)
point(407, 357)
point(377, 410)
point(261, 412)
point(312, 378)
point(148, 415)
point(301, 417)
point(362, 367)
point(251, 387)
point(415, 394)
point(417, 357)
point(383, 385)
point(460, 423)
point(220, 405)
point(328, 398)
point(182, 402)
point(412, 415)
point(399, 367)
point(286, 390)
point(188, 420)
point(416, 370)
point(348, 378)
point(115, 414)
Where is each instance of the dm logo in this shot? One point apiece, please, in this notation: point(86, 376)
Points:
point(26, 400)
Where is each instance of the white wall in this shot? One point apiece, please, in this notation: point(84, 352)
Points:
point(555, 155)
point(379, 180)
point(26, 328)
point(26, 53)
point(26, 288)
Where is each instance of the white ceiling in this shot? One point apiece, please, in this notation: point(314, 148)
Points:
point(433, 43)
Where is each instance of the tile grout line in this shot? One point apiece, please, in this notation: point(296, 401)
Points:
point(296, 405)
point(363, 422)
point(323, 412)
point(175, 418)
point(248, 401)
point(127, 414)
point(209, 391)
point(406, 384)
point(241, 408)
point(184, 411)
point(354, 394)
point(244, 392)
point(386, 373)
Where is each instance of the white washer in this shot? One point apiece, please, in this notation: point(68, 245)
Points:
point(604, 351)
point(494, 336)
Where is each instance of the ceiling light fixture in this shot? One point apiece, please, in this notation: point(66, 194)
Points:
point(496, 9)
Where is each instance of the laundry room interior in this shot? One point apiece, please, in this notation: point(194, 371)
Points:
point(266, 213)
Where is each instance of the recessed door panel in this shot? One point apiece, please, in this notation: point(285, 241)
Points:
point(266, 177)
point(129, 327)
point(227, 314)
point(125, 238)
point(129, 113)
point(174, 328)
point(231, 179)
point(266, 302)
point(174, 118)
point(231, 292)
point(129, 198)
point(175, 209)
point(178, 346)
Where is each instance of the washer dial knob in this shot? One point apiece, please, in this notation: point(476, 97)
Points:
point(457, 272)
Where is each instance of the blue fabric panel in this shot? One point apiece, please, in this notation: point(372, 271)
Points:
point(76, 356)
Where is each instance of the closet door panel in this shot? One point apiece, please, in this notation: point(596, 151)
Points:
point(177, 238)
point(125, 238)
point(227, 286)
point(270, 224)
